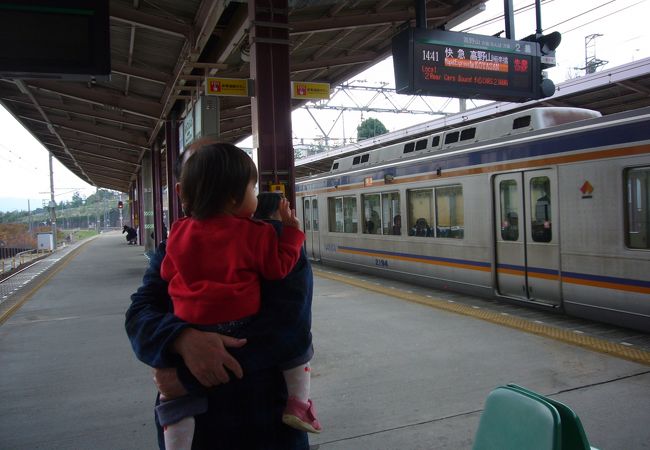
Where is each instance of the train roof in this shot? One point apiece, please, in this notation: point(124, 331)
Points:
point(442, 140)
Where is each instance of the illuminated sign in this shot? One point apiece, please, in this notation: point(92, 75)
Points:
point(233, 87)
point(305, 90)
point(453, 64)
point(278, 187)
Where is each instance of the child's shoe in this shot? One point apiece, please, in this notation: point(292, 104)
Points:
point(301, 415)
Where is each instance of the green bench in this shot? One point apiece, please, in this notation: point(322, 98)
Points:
point(516, 418)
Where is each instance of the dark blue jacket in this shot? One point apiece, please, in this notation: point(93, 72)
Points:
point(278, 333)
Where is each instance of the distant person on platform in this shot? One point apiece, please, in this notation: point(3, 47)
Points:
point(131, 234)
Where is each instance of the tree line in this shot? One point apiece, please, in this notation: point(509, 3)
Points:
point(97, 210)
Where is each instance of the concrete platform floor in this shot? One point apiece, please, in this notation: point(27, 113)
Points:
point(388, 374)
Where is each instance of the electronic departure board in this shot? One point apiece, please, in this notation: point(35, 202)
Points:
point(453, 64)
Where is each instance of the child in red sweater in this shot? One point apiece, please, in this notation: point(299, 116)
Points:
point(216, 258)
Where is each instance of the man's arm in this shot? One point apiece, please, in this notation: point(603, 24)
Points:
point(150, 324)
point(160, 339)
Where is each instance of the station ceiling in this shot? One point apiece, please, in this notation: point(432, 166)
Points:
point(161, 52)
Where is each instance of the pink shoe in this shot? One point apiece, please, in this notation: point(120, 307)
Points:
point(301, 415)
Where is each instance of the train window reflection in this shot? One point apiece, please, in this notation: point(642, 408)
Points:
point(450, 217)
point(381, 213)
point(390, 212)
point(342, 214)
point(307, 218)
point(540, 200)
point(371, 214)
point(637, 233)
point(314, 214)
point(509, 210)
point(350, 221)
point(420, 212)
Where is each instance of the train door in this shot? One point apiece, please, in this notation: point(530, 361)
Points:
point(527, 243)
point(312, 233)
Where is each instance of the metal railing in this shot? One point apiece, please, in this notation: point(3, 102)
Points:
point(17, 260)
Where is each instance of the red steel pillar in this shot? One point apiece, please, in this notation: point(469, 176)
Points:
point(171, 137)
point(271, 105)
point(156, 176)
point(140, 210)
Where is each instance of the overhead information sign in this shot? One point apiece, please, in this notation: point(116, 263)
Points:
point(453, 64)
point(307, 90)
point(234, 87)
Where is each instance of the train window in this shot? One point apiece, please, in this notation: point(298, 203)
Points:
point(637, 229)
point(467, 133)
point(350, 221)
point(540, 200)
point(314, 214)
point(364, 158)
point(356, 160)
point(335, 166)
point(342, 213)
point(450, 138)
point(509, 210)
point(306, 219)
point(435, 141)
point(371, 213)
point(420, 212)
point(335, 214)
point(391, 219)
point(409, 147)
point(421, 144)
point(450, 217)
point(381, 213)
point(521, 122)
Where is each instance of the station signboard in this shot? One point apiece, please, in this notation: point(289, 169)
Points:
point(228, 87)
point(303, 90)
point(452, 64)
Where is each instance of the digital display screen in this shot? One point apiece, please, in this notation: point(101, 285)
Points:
point(66, 39)
point(452, 64)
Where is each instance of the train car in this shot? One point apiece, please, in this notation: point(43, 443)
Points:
point(548, 207)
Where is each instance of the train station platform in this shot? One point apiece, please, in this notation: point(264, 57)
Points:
point(396, 366)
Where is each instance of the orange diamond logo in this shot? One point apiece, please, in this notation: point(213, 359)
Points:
point(587, 188)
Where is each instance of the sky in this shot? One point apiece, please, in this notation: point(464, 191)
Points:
point(623, 24)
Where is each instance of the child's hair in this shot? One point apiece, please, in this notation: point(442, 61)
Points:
point(267, 204)
point(215, 175)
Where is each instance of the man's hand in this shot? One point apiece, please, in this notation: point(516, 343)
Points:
point(168, 383)
point(205, 355)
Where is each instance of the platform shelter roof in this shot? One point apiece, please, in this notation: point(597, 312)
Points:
point(162, 50)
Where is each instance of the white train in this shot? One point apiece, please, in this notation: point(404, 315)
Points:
point(548, 207)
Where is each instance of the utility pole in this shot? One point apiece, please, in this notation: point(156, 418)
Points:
point(591, 61)
point(29, 211)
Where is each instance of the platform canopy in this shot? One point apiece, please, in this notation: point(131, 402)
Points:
point(161, 52)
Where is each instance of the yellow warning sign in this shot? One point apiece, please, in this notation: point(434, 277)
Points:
point(279, 188)
point(305, 90)
point(236, 87)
